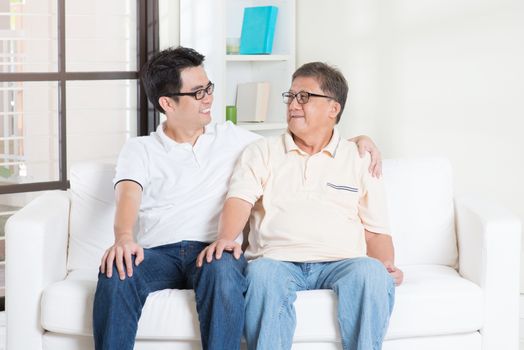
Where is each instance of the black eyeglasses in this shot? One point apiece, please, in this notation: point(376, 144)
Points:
point(199, 94)
point(302, 97)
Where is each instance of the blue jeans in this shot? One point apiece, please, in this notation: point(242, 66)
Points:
point(364, 288)
point(219, 293)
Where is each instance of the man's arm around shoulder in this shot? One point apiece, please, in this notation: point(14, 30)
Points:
point(366, 145)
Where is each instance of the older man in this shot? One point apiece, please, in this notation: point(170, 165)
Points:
point(318, 221)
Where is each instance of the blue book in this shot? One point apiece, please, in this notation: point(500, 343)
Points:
point(258, 30)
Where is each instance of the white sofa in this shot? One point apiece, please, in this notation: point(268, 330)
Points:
point(460, 257)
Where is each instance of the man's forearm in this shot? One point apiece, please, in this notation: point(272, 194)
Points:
point(233, 219)
point(127, 197)
point(380, 246)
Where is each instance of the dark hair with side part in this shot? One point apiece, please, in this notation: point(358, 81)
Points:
point(330, 79)
point(161, 73)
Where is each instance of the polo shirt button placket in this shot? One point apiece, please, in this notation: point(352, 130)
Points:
point(310, 173)
point(195, 158)
point(306, 171)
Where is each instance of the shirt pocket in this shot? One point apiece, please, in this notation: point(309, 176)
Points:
point(344, 197)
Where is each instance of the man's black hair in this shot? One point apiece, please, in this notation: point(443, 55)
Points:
point(161, 74)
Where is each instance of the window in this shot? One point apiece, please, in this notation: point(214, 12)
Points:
point(69, 89)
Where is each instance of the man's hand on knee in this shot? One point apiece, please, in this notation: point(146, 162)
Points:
point(395, 272)
point(217, 248)
point(120, 254)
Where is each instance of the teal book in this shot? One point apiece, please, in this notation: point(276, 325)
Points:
point(258, 30)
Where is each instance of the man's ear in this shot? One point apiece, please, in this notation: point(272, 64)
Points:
point(166, 103)
point(335, 109)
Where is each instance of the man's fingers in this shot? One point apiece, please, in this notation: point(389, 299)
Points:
point(393, 275)
point(139, 256)
point(378, 169)
point(119, 262)
point(398, 280)
point(103, 262)
point(375, 158)
point(237, 251)
point(398, 276)
point(129, 262)
point(373, 162)
point(375, 168)
point(220, 249)
point(200, 257)
point(216, 249)
point(109, 263)
point(210, 252)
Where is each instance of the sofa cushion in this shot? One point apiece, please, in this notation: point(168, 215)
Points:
point(433, 300)
point(420, 202)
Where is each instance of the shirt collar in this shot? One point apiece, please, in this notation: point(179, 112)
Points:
point(168, 143)
point(330, 148)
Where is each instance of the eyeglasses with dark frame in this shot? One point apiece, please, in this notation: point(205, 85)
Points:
point(198, 94)
point(302, 97)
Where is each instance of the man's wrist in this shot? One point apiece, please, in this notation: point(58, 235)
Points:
point(388, 263)
point(121, 236)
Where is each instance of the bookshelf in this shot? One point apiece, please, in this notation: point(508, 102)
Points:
point(206, 24)
point(257, 58)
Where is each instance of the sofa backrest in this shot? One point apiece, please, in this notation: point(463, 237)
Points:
point(92, 213)
point(420, 200)
point(421, 211)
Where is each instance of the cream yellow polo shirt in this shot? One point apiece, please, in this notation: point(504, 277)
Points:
point(308, 207)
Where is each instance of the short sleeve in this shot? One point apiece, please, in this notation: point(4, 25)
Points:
point(132, 163)
point(250, 173)
point(373, 202)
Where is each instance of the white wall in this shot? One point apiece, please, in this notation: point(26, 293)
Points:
point(431, 78)
point(169, 23)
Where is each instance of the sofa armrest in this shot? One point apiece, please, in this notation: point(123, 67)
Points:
point(489, 255)
point(36, 255)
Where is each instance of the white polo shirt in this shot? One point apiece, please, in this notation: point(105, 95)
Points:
point(184, 187)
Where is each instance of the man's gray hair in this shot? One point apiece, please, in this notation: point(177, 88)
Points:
point(330, 79)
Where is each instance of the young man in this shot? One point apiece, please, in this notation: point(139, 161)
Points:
point(172, 185)
point(318, 221)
